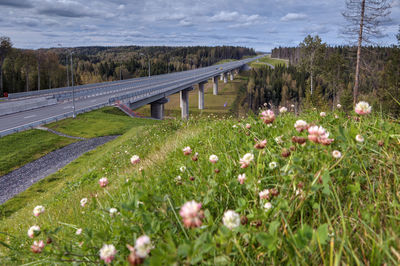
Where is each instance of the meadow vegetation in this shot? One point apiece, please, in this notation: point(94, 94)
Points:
point(219, 191)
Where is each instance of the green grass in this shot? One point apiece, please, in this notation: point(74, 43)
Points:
point(269, 60)
point(213, 104)
point(102, 122)
point(23, 147)
point(346, 212)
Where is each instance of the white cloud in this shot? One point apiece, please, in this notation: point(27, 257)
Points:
point(225, 16)
point(293, 16)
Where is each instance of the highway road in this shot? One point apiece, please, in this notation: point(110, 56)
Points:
point(93, 95)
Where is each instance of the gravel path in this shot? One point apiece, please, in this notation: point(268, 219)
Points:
point(22, 178)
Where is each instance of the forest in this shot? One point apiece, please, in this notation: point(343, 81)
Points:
point(323, 76)
point(27, 70)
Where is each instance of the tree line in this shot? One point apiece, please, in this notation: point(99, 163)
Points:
point(323, 76)
point(27, 70)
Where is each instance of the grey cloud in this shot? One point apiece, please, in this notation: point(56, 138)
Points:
point(293, 16)
point(16, 3)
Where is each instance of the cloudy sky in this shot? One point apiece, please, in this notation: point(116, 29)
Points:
point(261, 24)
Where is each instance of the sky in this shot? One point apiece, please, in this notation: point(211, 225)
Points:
point(260, 24)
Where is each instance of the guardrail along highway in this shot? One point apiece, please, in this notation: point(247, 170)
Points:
point(133, 93)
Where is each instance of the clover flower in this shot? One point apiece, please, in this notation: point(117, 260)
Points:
point(322, 114)
point(300, 125)
point(363, 108)
point(107, 253)
point(272, 165)
point(282, 110)
point(261, 144)
point(113, 211)
point(187, 150)
point(359, 138)
point(191, 214)
point(38, 210)
point(336, 154)
point(264, 194)
point(246, 160)
point(231, 219)
point(83, 202)
point(267, 206)
point(33, 231)
point(213, 158)
point(37, 246)
point(135, 159)
point(143, 246)
point(78, 231)
point(339, 106)
point(103, 182)
point(182, 168)
point(242, 178)
point(268, 116)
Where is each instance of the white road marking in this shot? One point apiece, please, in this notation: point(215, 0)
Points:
point(29, 116)
point(66, 107)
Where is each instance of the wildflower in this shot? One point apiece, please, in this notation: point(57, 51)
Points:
point(339, 106)
point(231, 219)
point(113, 211)
point(195, 157)
point(292, 105)
point(135, 159)
point(336, 116)
point(261, 144)
point(242, 178)
point(299, 140)
point(187, 150)
point(143, 246)
point(264, 194)
point(285, 153)
point(213, 158)
point(178, 179)
point(282, 110)
point(381, 143)
point(191, 214)
point(267, 206)
point(336, 154)
point(272, 165)
point(300, 125)
point(359, 138)
point(78, 231)
point(37, 246)
point(107, 253)
point(244, 220)
point(299, 192)
point(182, 169)
point(103, 182)
point(319, 135)
point(248, 126)
point(268, 116)
point(322, 114)
point(246, 160)
point(234, 126)
point(83, 202)
point(362, 108)
point(279, 140)
point(33, 231)
point(38, 210)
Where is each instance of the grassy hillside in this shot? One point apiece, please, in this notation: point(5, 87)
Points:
point(23, 147)
point(322, 209)
point(267, 59)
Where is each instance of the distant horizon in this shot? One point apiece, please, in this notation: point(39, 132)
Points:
point(262, 25)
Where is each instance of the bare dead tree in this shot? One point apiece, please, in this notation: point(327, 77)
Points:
point(364, 19)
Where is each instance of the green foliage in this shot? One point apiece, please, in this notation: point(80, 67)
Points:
point(325, 209)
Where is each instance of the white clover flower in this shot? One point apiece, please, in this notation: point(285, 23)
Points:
point(38, 210)
point(322, 114)
point(143, 246)
point(231, 219)
point(242, 178)
point(336, 154)
point(33, 230)
point(182, 169)
point(107, 253)
point(363, 108)
point(213, 158)
point(279, 140)
point(339, 106)
point(282, 110)
point(187, 150)
point(78, 231)
point(246, 160)
point(135, 159)
point(267, 206)
point(272, 165)
point(83, 202)
point(113, 211)
point(359, 138)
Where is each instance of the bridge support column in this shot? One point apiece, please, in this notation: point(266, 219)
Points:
point(157, 108)
point(231, 75)
point(225, 78)
point(215, 85)
point(221, 77)
point(185, 103)
point(180, 99)
point(201, 95)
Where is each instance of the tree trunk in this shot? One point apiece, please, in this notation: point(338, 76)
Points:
point(360, 34)
point(38, 73)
